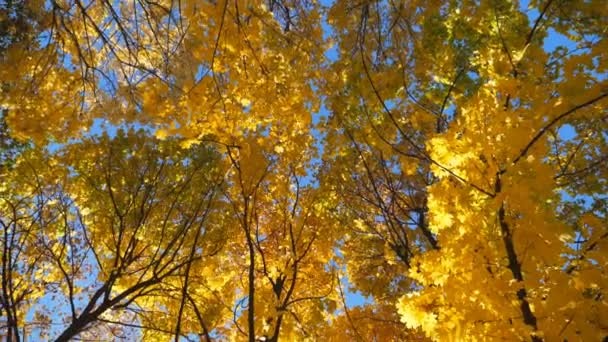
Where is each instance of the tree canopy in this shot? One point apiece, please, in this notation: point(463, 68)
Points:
point(238, 170)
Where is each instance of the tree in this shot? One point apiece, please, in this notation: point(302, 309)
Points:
point(445, 159)
point(289, 231)
point(450, 114)
point(102, 238)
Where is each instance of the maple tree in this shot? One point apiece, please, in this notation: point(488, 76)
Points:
point(235, 170)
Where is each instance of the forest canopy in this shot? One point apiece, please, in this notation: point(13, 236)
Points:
point(295, 170)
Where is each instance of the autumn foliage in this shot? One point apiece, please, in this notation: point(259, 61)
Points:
point(240, 170)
